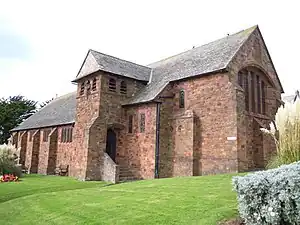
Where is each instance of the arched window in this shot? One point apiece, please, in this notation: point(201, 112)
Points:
point(81, 89)
point(112, 84)
point(181, 99)
point(253, 81)
point(123, 87)
point(94, 84)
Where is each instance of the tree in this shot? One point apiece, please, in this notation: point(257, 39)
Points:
point(13, 111)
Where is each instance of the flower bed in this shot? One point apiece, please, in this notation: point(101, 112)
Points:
point(9, 178)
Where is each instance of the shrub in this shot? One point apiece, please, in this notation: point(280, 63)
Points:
point(8, 160)
point(286, 132)
point(270, 197)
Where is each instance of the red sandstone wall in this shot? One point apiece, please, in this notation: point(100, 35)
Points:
point(43, 154)
point(35, 152)
point(22, 142)
point(64, 150)
point(87, 109)
point(137, 150)
point(53, 146)
point(254, 151)
point(199, 141)
point(29, 149)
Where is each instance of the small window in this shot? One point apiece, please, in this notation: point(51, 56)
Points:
point(142, 122)
point(130, 124)
point(123, 88)
point(46, 133)
point(181, 99)
point(112, 84)
point(82, 88)
point(66, 134)
point(88, 86)
point(94, 85)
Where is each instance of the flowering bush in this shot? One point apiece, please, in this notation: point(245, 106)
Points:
point(9, 160)
point(270, 197)
point(286, 133)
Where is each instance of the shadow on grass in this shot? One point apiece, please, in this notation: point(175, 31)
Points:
point(23, 191)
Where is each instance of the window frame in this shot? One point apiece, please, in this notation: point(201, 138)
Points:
point(94, 84)
point(254, 82)
point(123, 87)
point(181, 99)
point(66, 135)
point(130, 124)
point(142, 122)
point(112, 84)
point(82, 88)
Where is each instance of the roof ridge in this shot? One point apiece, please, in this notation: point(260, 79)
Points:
point(252, 29)
point(200, 46)
point(118, 58)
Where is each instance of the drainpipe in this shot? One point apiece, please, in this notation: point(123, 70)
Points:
point(157, 140)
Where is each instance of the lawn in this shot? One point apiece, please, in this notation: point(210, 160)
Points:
point(62, 200)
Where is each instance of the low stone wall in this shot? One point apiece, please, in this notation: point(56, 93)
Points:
point(110, 171)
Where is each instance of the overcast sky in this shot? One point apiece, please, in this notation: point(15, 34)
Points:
point(43, 43)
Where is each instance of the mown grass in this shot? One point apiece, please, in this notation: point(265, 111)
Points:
point(60, 200)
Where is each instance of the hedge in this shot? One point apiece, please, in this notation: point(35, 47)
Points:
point(270, 197)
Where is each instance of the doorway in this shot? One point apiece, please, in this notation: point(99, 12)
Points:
point(111, 144)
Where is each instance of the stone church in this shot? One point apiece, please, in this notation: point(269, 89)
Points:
point(195, 113)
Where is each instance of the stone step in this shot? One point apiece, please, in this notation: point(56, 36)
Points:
point(127, 178)
point(126, 174)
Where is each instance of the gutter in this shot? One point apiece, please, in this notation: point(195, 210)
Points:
point(156, 173)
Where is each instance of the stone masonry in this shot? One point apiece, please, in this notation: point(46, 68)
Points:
point(175, 117)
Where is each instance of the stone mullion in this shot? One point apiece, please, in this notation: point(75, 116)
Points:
point(250, 89)
point(260, 95)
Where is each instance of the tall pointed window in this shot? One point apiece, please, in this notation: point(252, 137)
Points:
point(123, 87)
point(253, 81)
point(112, 84)
point(181, 99)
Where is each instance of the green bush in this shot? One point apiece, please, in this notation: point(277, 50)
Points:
point(286, 133)
point(270, 197)
point(9, 160)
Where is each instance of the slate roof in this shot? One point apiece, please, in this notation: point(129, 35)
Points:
point(118, 66)
point(208, 58)
point(58, 112)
